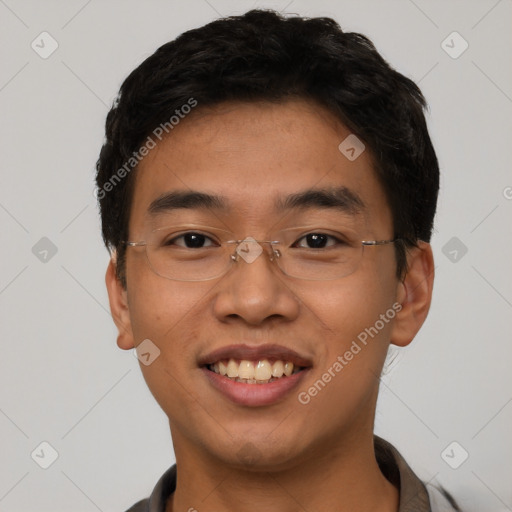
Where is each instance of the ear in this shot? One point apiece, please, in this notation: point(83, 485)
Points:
point(117, 297)
point(414, 294)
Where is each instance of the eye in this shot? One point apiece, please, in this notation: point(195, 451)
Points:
point(316, 241)
point(191, 241)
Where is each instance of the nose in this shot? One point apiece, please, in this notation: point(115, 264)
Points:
point(254, 290)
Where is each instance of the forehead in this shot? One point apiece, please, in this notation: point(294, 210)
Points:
point(256, 156)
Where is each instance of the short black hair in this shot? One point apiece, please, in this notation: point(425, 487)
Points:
point(263, 55)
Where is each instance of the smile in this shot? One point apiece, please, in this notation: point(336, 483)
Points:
point(254, 376)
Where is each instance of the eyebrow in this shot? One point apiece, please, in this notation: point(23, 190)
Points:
point(188, 200)
point(340, 198)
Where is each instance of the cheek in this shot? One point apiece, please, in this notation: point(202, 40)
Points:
point(164, 311)
point(349, 306)
point(344, 385)
point(357, 316)
point(168, 313)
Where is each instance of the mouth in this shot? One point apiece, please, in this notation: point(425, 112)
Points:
point(254, 376)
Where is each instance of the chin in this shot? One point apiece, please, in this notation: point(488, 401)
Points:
point(258, 453)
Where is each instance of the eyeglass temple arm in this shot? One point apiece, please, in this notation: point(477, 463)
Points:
point(379, 242)
point(135, 244)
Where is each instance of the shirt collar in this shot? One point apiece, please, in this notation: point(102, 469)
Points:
point(413, 493)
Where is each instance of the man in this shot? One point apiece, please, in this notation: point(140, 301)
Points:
point(267, 189)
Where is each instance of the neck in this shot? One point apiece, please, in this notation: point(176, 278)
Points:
point(344, 479)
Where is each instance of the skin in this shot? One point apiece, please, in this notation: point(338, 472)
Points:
point(318, 456)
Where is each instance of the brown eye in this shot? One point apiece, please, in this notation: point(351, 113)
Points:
point(191, 241)
point(316, 241)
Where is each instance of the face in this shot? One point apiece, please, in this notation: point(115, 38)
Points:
point(253, 158)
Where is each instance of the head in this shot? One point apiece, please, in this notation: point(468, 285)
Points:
point(237, 125)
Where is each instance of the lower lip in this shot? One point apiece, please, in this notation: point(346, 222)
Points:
point(254, 395)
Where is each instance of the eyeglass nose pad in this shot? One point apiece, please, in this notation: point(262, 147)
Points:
point(275, 253)
point(248, 249)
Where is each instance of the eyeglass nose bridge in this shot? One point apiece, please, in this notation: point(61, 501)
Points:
point(250, 249)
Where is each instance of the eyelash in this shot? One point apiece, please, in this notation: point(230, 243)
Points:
point(329, 237)
point(173, 240)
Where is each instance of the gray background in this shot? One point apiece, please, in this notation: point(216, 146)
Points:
point(62, 378)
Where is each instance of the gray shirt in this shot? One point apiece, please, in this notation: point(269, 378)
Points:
point(415, 496)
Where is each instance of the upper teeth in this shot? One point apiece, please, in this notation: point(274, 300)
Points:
point(261, 370)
